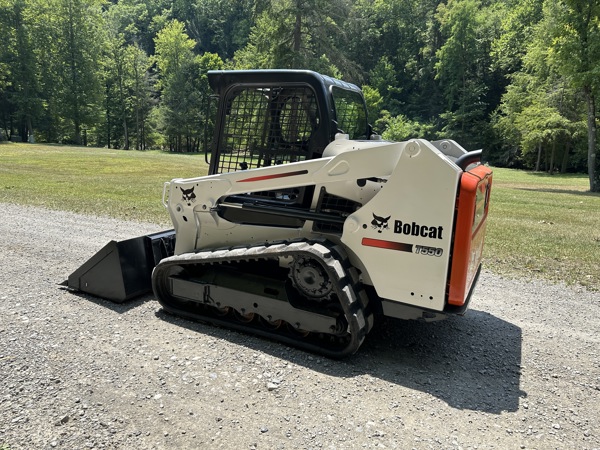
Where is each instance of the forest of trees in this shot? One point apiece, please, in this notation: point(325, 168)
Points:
point(518, 78)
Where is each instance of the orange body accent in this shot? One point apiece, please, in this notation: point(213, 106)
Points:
point(471, 217)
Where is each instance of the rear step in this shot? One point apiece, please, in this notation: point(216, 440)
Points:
point(122, 270)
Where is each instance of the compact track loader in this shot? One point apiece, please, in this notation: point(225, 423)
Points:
point(308, 227)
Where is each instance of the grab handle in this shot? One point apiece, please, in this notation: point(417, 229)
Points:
point(469, 158)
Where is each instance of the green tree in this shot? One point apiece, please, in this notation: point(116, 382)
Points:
point(217, 26)
point(401, 128)
point(544, 106)
point(374, 102)
point(542, 129)
point(540, 113)
point(299, 34)
point(5, 52)
point(176, 64)
point(394, 42)
point(19, 73)
point(74, 66)
point(462, 70)
point(139, 20)
point(117, 101)
point(517, 29)
point(141, 92)
point(127, 72)
point(575, 53)
point(183, 87)
point(173, 49)
point(383, 77)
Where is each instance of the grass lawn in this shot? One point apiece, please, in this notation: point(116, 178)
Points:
point(106, 182)
point(546, 225)
point(540, 225)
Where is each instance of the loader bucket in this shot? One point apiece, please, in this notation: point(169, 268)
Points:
point(122, 270)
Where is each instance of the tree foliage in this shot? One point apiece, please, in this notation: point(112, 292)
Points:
point(298, 34)
point(181, 83)
point(519, 79)
point(551, 100)
point(575, 55)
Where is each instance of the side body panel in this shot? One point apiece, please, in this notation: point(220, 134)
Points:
point(399, 238)
point(402, 238)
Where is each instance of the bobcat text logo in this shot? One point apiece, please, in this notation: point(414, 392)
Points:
point(380, 223)
point(414, 229)
point(188, 196)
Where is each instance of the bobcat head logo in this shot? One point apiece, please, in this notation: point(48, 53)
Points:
point(188, 196)
point(380, 223)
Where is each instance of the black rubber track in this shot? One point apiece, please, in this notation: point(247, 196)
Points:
point(352, 299)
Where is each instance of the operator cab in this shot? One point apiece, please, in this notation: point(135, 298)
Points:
point(270, 117)
point(273, 117)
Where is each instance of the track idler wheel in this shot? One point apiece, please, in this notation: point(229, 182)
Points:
point(310, 278)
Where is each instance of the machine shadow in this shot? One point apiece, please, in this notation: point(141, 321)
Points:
point(470, 363)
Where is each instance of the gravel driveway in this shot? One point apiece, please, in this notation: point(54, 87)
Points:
point(520, 370)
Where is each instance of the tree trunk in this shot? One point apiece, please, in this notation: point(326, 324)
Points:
point(551, 165)
point(593, 170)
point(565, 160)
point(297, 43)
point(539, 158)
point(298, 33)
point(122, 102)
point(125, 133)
point(74, 77)
point(30, 134)
point(138, 131)
point(138, 137)
point(107, 113)
point(77, 129)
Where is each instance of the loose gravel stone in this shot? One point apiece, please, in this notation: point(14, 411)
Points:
point(519, 370)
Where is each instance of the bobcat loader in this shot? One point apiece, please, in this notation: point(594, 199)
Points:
point(308, 227)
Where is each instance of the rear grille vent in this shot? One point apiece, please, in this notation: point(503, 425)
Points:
point(332, 204)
